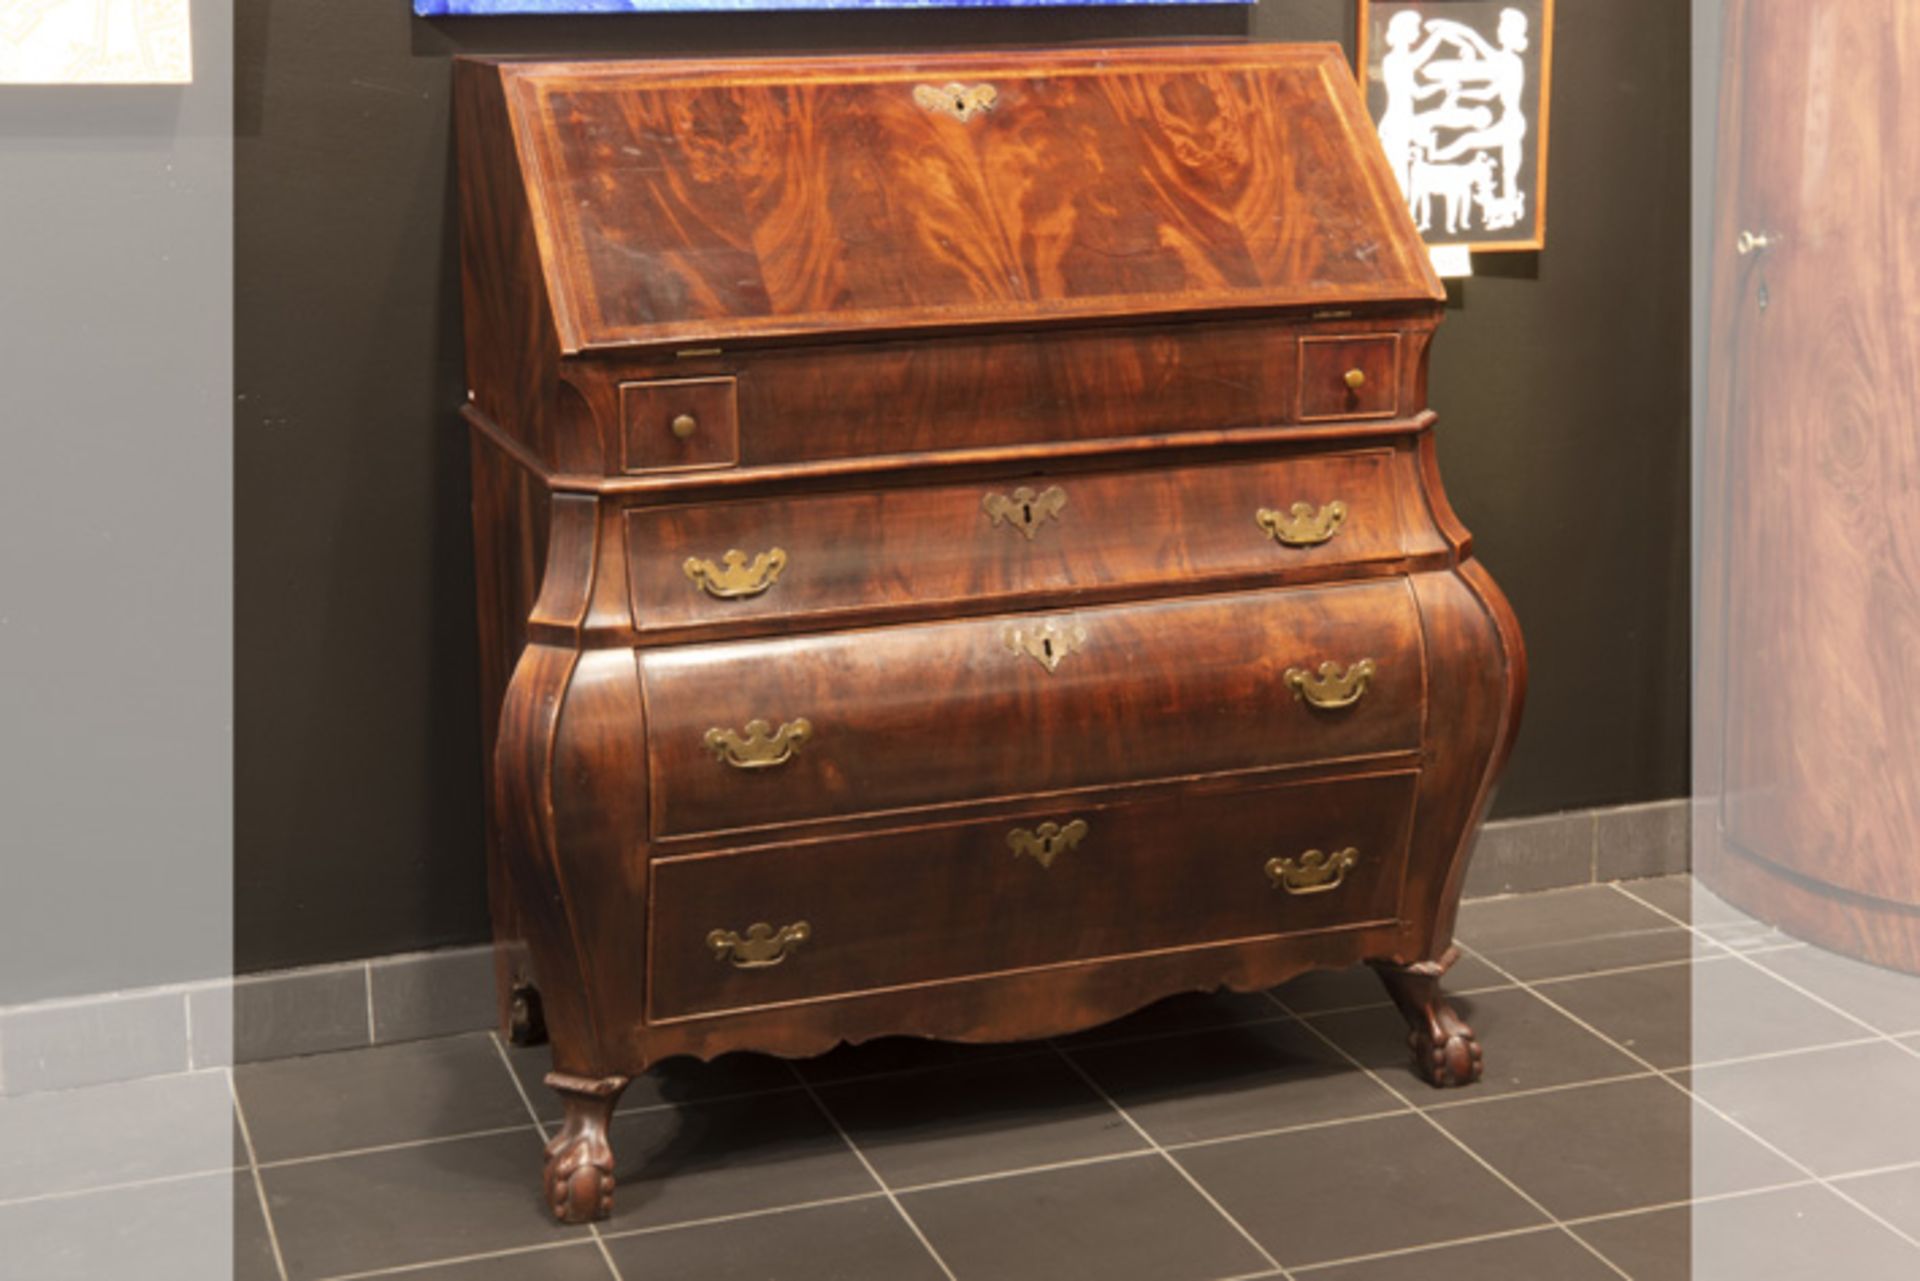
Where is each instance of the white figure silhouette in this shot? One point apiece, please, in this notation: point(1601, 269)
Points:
point(1459, 187)
point(1405, 131)
point(1481, 91)
point(1503, 73)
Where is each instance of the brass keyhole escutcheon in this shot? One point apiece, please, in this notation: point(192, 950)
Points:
point(962, 102)
point(1025, 510)
point(1047, 644)
point(1048, 841)
point(684, 425)
point(1355, 379)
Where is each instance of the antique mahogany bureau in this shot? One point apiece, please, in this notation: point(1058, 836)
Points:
point(960, 553)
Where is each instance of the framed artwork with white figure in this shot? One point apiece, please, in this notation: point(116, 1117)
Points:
point(1459, 90)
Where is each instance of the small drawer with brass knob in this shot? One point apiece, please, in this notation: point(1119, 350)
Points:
point(1349, 376)
point(678, 424)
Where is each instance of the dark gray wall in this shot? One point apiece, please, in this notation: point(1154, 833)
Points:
point(1561, 381)
point(115, 593)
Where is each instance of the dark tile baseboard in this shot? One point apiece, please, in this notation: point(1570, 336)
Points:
point(158, 1031)
point(1581, 847)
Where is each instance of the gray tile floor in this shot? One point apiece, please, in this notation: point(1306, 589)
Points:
point(1663, 1100)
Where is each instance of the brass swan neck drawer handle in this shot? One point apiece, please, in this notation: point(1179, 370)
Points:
point(1048, 841)
point(1331, 687)
point(962, 102)
point(1025, 510)
point(1047, 644)
point(734, 578)
point(1314, 872)
point(1303, 524)
point(762, 946)
point(762, 746)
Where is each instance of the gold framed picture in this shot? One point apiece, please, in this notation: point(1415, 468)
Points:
point(1459, 91)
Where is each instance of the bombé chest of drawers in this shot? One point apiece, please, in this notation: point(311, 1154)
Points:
point(960, 553)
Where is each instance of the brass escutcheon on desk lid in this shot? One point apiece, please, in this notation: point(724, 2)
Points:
point(761, 947)
point(1314, 872)
point(762, 746)
point(734, 578)
point(1025, 510)
point(1331, 687)
point(1048, 643)
point(962, 102)
point(1048, 841)
point(1303, 525)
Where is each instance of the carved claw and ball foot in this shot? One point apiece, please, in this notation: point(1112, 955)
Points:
point(579, 1177)
point(1445, 1051)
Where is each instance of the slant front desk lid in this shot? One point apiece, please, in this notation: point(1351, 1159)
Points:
point(683, 202)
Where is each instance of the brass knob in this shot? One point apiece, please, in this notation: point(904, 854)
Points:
point(1355, 379)
point(684, 425)
point(1750, 242)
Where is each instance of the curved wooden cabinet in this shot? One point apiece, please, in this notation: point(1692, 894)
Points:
point(1808, 701)
point(935, 579)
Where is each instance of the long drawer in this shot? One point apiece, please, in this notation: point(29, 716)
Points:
point(1035, 888)
point(812, 404)
point(820, 556)
point(756, 733)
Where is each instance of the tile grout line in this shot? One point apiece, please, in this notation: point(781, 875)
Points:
point(1712, 1198)
point(253, 1168)
point(892, 1199)
point(1899, 1167)
point(405, 1269)
point(125, 1185)
point(1356, 1008)
point(1278, 1268)
point(1765, 1056)
point(1611, 971)
point(1577, 1222)
point(1781, 979)
point(1454, 1139)
point(1710, 1106)
point(1019, 1172)
point(186, 1026)
point(540, 1127)
point(1304, 1127)
point(1899, 1045)
point(1456, 1105)
point(1593, 848)
point(401, 1145)
point(654, 1229)
point(1452, 1243)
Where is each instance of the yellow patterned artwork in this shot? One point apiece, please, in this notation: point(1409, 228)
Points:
point(95, 42)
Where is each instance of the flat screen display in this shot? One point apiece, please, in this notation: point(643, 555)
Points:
point(479, 8)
